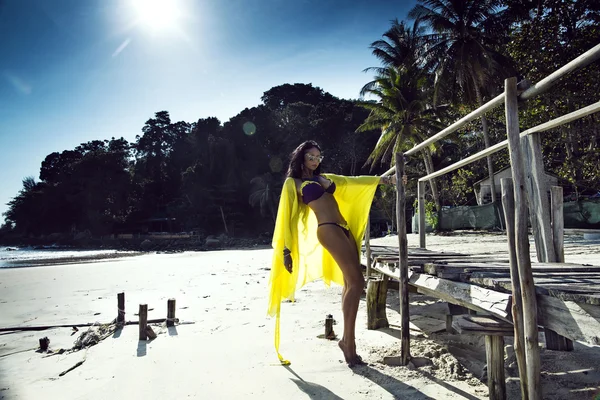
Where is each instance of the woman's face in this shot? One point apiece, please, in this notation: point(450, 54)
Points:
point(312, 158)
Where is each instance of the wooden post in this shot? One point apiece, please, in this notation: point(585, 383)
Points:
point(421, 202)
point(329, 333)
point(558, 223)
point(143, 321)
point(508, 203)
point(494, 351)
point(537, 194)
point(44, 343)
point(150, 332)
point(120, 308)
point(532, 349)
point(403, 258)
point(376, 303)
point(171, 312)
point(368, 247)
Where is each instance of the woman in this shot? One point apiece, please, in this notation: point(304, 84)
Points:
point(340, 207)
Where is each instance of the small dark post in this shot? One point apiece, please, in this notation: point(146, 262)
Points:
point(121, 308)
point(143, 321)
point(170, 312)
point(44, 343)
point(329, 327)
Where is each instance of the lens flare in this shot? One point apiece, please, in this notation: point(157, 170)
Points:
point(249, 128)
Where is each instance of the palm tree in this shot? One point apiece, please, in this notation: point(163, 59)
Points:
point(403, 114)
point(462, 50)
point(401, 47)
point(263, 194)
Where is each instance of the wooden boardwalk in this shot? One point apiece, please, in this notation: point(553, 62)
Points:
point(568, 295)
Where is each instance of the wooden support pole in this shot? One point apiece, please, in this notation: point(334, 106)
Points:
point(532, 349)
point(368, 247)
point(421, 203)
point(120, 308)
point(537, 194)
point(403, 259)
point(558, 223)
point(494, 351)
point(171, 312)
point(508, 203)
point(376, 303)
point(143, 321)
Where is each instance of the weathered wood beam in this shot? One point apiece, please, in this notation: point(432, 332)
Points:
point(532, 350)
point(573, 320)
point(463, 294)
point(508, 203)
point(403, 260)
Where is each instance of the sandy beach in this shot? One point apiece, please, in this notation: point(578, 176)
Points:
point(223, 347)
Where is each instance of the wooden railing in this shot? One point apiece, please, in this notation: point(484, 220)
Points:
point(542, 86)
point(517, 194)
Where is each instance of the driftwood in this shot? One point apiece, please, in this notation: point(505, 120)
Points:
point(72, 368)
point(44, 327)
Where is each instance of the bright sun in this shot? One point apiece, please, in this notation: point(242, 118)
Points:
point(158, 15)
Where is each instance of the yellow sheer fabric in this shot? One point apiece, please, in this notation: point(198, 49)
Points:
point(296, 229)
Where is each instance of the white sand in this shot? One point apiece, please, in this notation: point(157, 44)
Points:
point(229, 352)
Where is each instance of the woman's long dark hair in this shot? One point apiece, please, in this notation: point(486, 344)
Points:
point(297, 160)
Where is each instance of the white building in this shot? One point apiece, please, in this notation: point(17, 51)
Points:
point(483, 191)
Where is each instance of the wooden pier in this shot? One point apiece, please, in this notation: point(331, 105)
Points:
point(568, 299)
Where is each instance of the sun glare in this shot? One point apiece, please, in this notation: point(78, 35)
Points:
point(157, 15)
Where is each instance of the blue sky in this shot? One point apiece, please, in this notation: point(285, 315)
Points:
point(78, 70)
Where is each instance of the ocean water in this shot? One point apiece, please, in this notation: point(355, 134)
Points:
point(13, 257)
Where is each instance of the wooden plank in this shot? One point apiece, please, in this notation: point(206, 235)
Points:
point(538, 268)
point(489, 322)
point(575, 321)
point(464, 294)
point(462, 325)
point(584, 293)
point(557, 275)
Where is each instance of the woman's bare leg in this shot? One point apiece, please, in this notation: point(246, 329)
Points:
point(335, 241)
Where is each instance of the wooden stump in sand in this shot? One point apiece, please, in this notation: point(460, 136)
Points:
point(376, 303)
point(143, 321)
point(171, 312)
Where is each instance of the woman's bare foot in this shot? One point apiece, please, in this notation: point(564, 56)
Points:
point(352, 359)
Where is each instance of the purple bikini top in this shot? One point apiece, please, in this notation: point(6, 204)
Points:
point(311, 189)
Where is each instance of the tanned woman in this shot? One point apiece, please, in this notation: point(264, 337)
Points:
point(320, 225)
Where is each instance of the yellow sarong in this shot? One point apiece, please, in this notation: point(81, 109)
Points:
point(296, 229)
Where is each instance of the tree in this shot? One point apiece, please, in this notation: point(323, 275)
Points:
point(264, 194)
point(462, 50)
point(404, 115)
